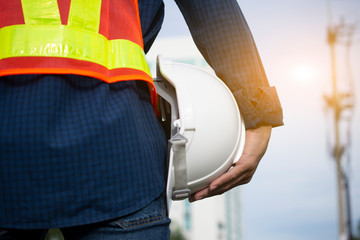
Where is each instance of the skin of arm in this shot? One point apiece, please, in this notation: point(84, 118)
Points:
point(256, 142)
point(245, 76)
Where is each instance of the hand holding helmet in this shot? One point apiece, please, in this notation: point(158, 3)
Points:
point(256, 141)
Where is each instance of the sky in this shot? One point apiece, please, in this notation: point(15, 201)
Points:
point(293, 194)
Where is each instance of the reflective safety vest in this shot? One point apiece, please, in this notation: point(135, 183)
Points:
point(96, 38)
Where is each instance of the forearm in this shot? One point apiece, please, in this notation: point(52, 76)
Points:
point(223, 37)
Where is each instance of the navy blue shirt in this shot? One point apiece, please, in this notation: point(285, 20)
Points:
point(75, 150)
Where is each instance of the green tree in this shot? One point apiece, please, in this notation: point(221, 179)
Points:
point(176, 232)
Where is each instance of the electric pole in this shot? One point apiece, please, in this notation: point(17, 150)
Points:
point(339, 101)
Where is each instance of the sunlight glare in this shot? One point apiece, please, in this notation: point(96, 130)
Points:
point(304, 75)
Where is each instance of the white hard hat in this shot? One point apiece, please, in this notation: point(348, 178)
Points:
point(204, 125)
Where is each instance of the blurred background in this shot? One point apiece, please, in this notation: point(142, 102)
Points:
point(305, 46)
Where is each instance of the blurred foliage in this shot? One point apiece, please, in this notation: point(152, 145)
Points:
point(176, 232)
point(177, 235)
point(54, 234)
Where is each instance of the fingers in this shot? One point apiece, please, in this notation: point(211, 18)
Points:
point(256, 141)
point(240, 174)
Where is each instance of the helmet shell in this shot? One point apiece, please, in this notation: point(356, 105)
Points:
point(209, 117)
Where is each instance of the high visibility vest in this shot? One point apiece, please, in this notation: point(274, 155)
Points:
point(96, 38)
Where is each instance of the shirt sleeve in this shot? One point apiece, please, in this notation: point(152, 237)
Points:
point(222, 35)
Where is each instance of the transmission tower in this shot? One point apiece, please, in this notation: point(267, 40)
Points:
point(339, 102)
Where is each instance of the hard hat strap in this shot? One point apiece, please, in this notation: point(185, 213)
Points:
point(178, 145)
